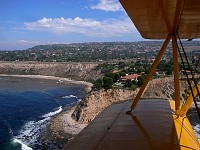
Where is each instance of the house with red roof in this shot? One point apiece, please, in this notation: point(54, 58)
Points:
point(129, 77)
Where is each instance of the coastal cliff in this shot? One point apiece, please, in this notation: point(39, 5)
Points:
point(76, 71)
point(67, 124)
point(164, 88)
point(97, 101)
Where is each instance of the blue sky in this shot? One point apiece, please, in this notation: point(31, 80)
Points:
point(26, 23)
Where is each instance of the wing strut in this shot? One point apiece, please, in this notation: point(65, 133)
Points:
point(153, 67)
point(176, 74)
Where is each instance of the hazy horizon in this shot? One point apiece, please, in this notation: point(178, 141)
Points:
point(24, 24)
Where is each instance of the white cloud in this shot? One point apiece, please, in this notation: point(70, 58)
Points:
point(17, 44)
point(27, 42)
point(23, 44)
point(33, 43)
point(88, 26)
point(108, 5)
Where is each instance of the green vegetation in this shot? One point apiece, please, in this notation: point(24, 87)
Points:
point(98, 84)
point(97, 52)
point(113, 71)
point(140, 80)
point(107, 83)
point(115, 59)
point(84, 52)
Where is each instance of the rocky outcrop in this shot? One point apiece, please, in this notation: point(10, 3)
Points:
point(77, 71)
point(97, 101)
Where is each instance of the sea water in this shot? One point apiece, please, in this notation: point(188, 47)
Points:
point(26, 107)
point(195, 121)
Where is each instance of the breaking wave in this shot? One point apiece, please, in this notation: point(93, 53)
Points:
point(70, 96)
point(23, 146)
point(197, 130)
point(31, 131)
point(53, 113)
point(79, 100)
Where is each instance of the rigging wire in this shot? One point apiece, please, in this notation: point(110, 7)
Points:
point(191, 71)
point(194, 72)
point(195, 69)
point(184, 67)
point(186, 93)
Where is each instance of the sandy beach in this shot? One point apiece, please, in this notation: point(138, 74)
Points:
point(87, 85)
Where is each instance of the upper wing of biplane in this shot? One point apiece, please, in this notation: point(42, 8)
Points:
point(155, 19)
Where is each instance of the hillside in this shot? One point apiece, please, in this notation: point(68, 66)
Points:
point(76, 71)
point(94, 52)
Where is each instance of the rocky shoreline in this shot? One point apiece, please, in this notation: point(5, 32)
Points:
point(61, 129)
point(96, 101)
point(65, 125)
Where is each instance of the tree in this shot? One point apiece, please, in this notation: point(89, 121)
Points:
point(140, 80)
point(168, 71)
point(109, 74)
point(106, 69)
point(139, 70)
point(116, 77)
point(128, 83)
point(122, 73)
point(133, 87)
point(122, 65)
point(98, 84)
point(107, 83)
point(147, 71)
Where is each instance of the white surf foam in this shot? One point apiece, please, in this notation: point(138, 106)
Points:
point(70, 96)
point(60, 81)
point(79, 100)
point(53, 113)
point(30, 132)
point(24, 147)
point(197, 130)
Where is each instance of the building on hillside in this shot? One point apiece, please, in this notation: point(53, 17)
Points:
point(183, 72)
point(129, 77)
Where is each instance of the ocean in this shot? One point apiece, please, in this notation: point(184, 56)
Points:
point(195, 121)
point(26, 107)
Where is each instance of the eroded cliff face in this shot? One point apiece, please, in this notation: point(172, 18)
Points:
point(97, 101)
point(77, 71)
point(164, 88)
